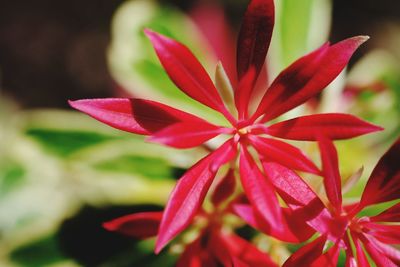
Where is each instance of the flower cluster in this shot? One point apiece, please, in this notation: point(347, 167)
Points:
point(265, 165)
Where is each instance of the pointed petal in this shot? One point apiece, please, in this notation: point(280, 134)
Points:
point(330, 169)
point(283, 153)
point(361, 257)
point(255, 36)
point(388, 234)
point(376, 254)
point(224, 155)
point(295, 228)
point(253, 43)
point(307, 254)
point(384, 182)
point(186, 71)
point(306, 77)
point(187, 135)
point(138, 225)
point(243, 93)
point(188, 195)
point(224, 189)
point(389, 251)
point(303, 201)
point(133, 115)
point(293, 190)
point(390, 215)
point(259, 190)
point(334, 126)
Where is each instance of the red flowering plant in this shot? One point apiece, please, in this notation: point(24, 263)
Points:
point(301, 81)
point(213, 245)
point(340, 225)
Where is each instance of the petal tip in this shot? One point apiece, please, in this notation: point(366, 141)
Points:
point(148, 32)
point(160, 244)
point(376, 128)
point(77, 104)
point(360, 39)
point(72, 103)
point(109, 226)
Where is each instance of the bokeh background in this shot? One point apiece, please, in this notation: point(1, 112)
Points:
point(62, 174)
point(51, 51)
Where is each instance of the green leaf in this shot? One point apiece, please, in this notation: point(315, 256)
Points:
point(301, 26)
point(294, 28)
point(63, 143)
point(11, 176)
point(148, 167)
point(41, 252)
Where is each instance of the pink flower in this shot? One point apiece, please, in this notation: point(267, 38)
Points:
point(301, 81)
point(338, 223)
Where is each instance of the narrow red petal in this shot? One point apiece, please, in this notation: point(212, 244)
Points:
point(306, 77)
point(388, 234)
point(362, 260)
point(259, 190)
point(350, 259)
point(377, 255)
point(334, 126)
point(246, 252)
point(328, 259)
point(307, 254)
point(384, 182)
point(252, 47)
point(303, 201)
point(188, 195)
point(295, 228)
point(255, 36)
point(133, 115)
point(243, 93)
point(186, 71)
point(186, 134)
point(331, 175)
point(289, 82)
point(138, 225)
point(224, 189)
point(283, 153)
point(191, 256)
point(389, 251)
point(390, 215)
point(294, 191)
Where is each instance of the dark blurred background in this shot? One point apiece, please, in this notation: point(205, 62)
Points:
point(51, 51)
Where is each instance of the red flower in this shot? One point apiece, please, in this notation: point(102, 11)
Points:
point(294, 86)
point(212, 246)
point(340, 224)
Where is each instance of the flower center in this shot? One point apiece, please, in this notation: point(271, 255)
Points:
point(243, 131)
point(356, 224)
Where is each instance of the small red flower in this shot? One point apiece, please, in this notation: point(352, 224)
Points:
point(213, 246)
point(339, 223)
point(301, 81)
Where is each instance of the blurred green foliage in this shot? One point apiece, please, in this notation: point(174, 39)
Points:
point(54, 163)
point(65, 143)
